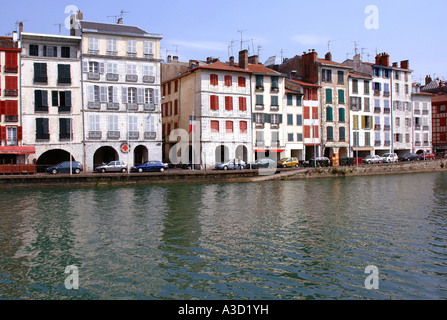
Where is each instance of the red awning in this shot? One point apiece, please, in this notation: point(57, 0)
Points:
point(265, 150)
point(17, 150)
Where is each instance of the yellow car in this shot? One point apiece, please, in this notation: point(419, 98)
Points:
point(288, 163)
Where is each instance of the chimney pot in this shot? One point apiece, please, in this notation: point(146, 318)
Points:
point(232, 61)
point(243, 59)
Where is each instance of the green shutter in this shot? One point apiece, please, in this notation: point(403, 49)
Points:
point(55, 98)
point(341, 96)
point(341, 115)
point(328, 95)
point(329, 115)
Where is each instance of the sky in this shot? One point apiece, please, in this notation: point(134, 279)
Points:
point(197, 29)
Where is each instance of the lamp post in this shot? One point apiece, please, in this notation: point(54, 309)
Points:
point(71, 145)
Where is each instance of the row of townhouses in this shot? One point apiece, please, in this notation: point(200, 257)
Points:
point(103, 93)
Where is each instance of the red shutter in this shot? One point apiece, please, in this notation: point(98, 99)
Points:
point(176, 107)
point(316, 132)
point(242, 104)
point(3, 134)
point(11, 63)
point(11, 108)
point(214, 103)
point(229, 103)
point(10, 83)
point(214, 80)
point(241, 81)
point(2, 107)
point(214, 126)
point(228, 81)
point(315, 113)
point(229, 126)
point(19, 133)
point(243, 126)
point(306, 113)
point(307, 132)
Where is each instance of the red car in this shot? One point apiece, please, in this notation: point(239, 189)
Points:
point(427, 156)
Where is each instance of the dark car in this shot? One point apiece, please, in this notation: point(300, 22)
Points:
point(409, 157)
point(320, 162)
point(263, 163)
point(64, 167)
point(151, 166)
point(427, 156)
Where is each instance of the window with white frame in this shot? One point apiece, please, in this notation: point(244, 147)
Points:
point(132, 47)
point(113, 123)
point(93, 93)
point(111, 45)
point(149, 49)
point(112, 67)
point(112, 94)
point(149, 70)
point(11, 136)
point(131, 69)
point(132, 95)
point(93, 44)
point(149, 96)
point(133, 123)
point(95, 122)
point(150, 123)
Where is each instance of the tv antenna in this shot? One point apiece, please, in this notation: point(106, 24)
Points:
point(120, 16)
point(230, 48)
point(242, 41)
point(329, 44)
point(17, 23)
point(60, 26)
point(259, 49)
point(176, 49)
point(355, 46)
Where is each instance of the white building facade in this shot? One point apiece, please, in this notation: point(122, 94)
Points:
point(422, 120)
point(121, 94)
point(51, 97)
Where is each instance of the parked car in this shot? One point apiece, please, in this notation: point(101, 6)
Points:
point(151, 166)
point(64, 167)
point(409, 157)
point(373, 159)
point(230, 165)
point(114, 166)
point(390, 157)
point(427, 156)
point(289, 163)
point(263, 163)
point(318, 162)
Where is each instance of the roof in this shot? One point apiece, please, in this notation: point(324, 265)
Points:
point(304, 83)
point(259, 68)
point(354, 74)
point(332, 63)
point(439, 98)
point(274, 60)
point(114, 28)
point(220, 66)
point(49, 37)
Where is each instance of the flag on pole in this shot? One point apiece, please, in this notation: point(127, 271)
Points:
point(192, 124)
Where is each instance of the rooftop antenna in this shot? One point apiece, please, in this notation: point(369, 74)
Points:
point(329, 44)
point(259, 49)
point(230, 48)
point(355, 46)
point(281, 52)
point(241, 31)
point(176, 49)
point(363, 50)
point(17, 23)
point(60, 26)
point(120, 16)
point(253, 46)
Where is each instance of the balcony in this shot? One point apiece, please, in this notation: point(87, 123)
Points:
point(96, 105)
point(64, 81)
point(259, 107)
point(259, 88)
point(150, 135)
point(149, 107)
point(418, 143)
point(113, 135)
point(148, 56)
point(64, 109)
point(387, 143)
point(386, 93)
point(417, 127)
point(377, 127)
point(132, 107)
point(95, 135)
point(377, 143)
point(112, 77)
point(41, 109)
point(275, 89)
point(377, 92)
point(274, 108)
point(93, 76)
point(9, 69)
point(43, 80)
point(148, 79)
point(417, 111)
point(112, 53)
point(259, 126)
point(387, 110)
point(94, 52)
point(133, 135)
point(425, 128)
point(377, 110)
point(113, 106)
point(387, 127)
point(274, 126)
point(425, 112)
point(260, 144)
point(11, 93)
point(11, 118)
point(131, 78)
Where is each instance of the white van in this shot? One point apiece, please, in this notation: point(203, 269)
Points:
point(390, 157)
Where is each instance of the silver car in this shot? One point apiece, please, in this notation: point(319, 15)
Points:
point(114, 166)
point(390, 158)
point(229, 165)
point(373, 159)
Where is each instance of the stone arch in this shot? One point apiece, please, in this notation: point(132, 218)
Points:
point(104, 155)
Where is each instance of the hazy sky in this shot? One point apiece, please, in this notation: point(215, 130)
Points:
point(196, 29)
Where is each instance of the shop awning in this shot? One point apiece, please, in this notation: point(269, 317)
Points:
point(273, 150)
point(17, 150)
point(362, 148)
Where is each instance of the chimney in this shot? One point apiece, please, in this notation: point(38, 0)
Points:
point(80, 15)
point(309, 66)
point(14, 36)
point(405, 64)
point(120, 21)
point(428, 80)
point(232, 61)
point(175, 58)
point(193, 64)
point(395, 65)
point(169, 59)
point(243, 59)
point(328, 56)
point(253, 59)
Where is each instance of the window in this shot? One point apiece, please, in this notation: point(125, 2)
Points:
point(229, 103)
point(314, 113)
point(42, 129)
point(356, 103)
point(228, 81)
point(131, 69)
point(290, 137)
point(307, 132)
point(65, 129)
point(113, 123)
point(65, 52)
point(329, 114)
point(214, 126)
point(132, 95)
point(299, 137)
point(355, 122)
point(328, 95)
point(61, 99)
point(355, 86)
point(243, 127)
point(40, 101)
point(397, 88)
point(260, 138)
point(229, 126)
point(93, 44)
point(148, 49)
point(306, 112)
point(326, 75)
point(111, 46)
point(40, 72)
point(93, 67)
point(299, 120)
point(112, 67)
point(378, 141)
point(11, 136)
point(341, 96)
point(63, 74)
point(367, 104)
point(214, 80)
point(94, 122)
point(366, 85)
point(93, 93)
point(275, 85)
point(131, 48)
point(341, 115)
point(290, 119)
point(356, 138)
point(133, 123)
point(214, 102)
point(150, 124)
point(341, 77)
point(242, 104)
point(259, 82)
point(275, 138)
point(275, 119)
point(34, 50)
point(289, 100)
point(299, 101)
point(342, 134)
point(259, 100)
point(112, 94)
point(275, 101)
point(11, 62)
point(49, 51)
point(241, 82)
point(330, 133)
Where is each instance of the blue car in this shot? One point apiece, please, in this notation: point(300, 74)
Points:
point(64, 167)
point(151, 166)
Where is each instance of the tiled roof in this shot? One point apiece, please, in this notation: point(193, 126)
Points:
point(354, 74)
point(439, 98)
point(220, 66)
point(259, 68)
point(304, 83)
point(332, 63)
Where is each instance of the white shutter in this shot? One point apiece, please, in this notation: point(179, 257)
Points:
point(124, 94)
point(109, 67)
point(140, 95)
point(115, 94)
point(157, 96)
point(85, 66)
point(91, 93)
point(101, 67)
point(103, 94)
point(146, 70)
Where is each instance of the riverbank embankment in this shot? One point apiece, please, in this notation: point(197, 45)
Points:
point(191, 176)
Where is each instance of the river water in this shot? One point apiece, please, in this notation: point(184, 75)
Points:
point(306, 239)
